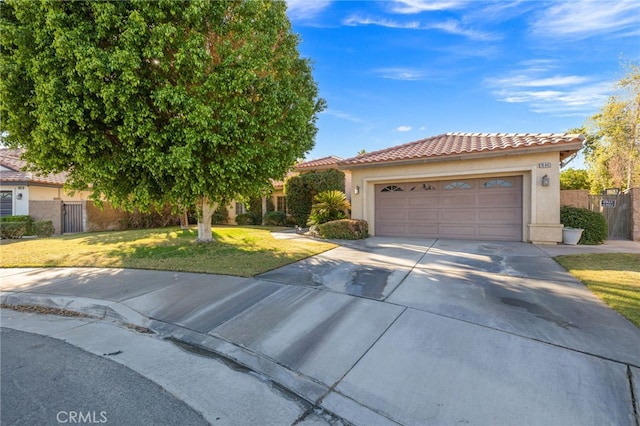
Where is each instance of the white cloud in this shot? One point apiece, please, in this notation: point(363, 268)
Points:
point(410, 74)
point(555, 94)
point(418, 6)
point(354, 21)
point(344, 116)
point(306, 9)
point(450, 26)
point(586, 18)
point(403, 128)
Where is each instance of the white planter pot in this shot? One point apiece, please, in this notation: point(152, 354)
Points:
point(571, 235)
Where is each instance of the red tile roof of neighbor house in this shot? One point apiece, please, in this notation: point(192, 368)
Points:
point(11, 159)
point(450, 144)
point(320, 163)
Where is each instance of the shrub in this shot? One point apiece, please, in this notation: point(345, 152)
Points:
point(275, 218)
point(247, 219)
point(593, 223)
point(28, 222)
point(220, 216)
point(344, 229)
point(12, 230)
point(43, 228)
point(329, 206)
point(300, 190)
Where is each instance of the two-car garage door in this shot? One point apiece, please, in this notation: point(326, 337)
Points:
point(485, 209)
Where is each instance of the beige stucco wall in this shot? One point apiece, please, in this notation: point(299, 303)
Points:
point(42, 193)
point(541, 204)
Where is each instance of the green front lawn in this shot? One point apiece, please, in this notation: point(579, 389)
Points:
point(240, 251)
point(613, 277)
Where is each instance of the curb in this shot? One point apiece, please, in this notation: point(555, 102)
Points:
point(316, 395)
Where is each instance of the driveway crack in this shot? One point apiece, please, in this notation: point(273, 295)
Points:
point(634, 398)
point(410, 270)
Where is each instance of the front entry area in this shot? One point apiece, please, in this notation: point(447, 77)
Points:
point(482, 209)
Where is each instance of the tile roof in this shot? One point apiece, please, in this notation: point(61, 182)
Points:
point(11, 159)
point(464, 143)
point(324, 162)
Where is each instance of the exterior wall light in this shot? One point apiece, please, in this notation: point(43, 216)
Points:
point(545, 180)
point(356, 190)
point(19, 196)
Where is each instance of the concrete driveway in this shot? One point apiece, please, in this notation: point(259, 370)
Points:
point(388, 331)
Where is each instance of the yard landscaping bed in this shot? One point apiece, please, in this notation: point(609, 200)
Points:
point(239, 251)
point(613, 277)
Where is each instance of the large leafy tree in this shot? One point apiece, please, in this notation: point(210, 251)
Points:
point(188, 103)
point(613, 156)
point(574, 179)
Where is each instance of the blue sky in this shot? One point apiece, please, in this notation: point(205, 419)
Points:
point(397, 71)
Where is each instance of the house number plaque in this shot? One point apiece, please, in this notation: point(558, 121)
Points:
point(544, 165)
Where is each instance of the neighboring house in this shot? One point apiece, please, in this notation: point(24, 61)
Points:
point(464, 186)
point(277, 194)
point(40, 196)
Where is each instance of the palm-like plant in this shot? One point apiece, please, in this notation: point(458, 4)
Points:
point(328, 206)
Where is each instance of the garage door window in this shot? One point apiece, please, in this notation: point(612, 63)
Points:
point(423, 187)
point(392, 188)
point(457, 185)
point(496, 183)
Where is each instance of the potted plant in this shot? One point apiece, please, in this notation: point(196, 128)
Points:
point(571, 235)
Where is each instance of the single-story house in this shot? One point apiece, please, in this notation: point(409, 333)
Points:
point(40, 196)
point(464, 186)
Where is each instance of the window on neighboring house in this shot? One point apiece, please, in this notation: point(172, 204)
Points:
point(6, 203)
point(240, 208)
point(281, 204)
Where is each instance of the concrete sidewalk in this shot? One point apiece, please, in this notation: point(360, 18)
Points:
point(390, 331)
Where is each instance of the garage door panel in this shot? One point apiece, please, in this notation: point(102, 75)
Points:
point(392, 215)
point(390, 230)
point(425, 201)
point(458, 200)
point(506, 199)
point(456, 216)
point(423, 215)
point(506, 216)
point(456, 231)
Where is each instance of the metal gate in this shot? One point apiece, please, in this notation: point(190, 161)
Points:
point(72, 217)
point(617, 211)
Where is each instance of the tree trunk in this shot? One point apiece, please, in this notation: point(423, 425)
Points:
point(184, 222)
point(264, 208)
point(205, 213)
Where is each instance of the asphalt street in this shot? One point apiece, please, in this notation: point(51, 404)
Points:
point(46, 381)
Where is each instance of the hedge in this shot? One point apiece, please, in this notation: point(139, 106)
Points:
point(12, 230)
point(344, 229)
point(43, 228)
point(20, 218)
point(593, 223)
point(275, 219)
point(247, 219)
